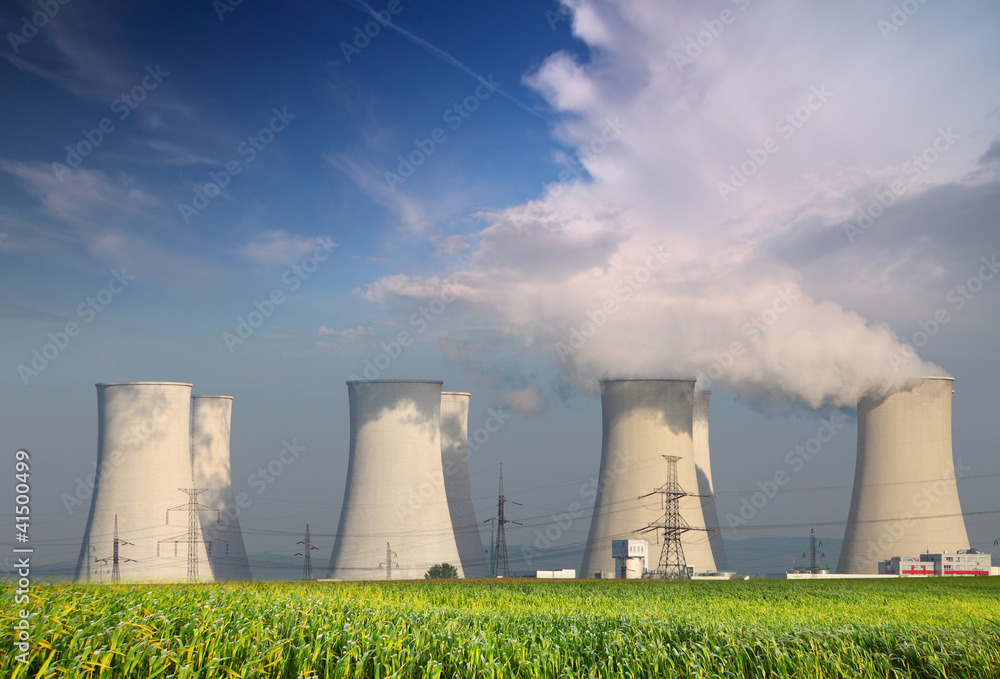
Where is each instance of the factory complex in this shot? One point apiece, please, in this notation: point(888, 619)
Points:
point(163, 508)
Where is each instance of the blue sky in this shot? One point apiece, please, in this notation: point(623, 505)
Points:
point(806, 185)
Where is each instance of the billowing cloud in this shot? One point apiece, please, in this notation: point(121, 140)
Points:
point(713, 136)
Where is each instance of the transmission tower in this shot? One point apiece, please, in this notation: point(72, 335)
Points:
point(116, 557)
point(306, 552)
point(193, 532)
point(500, 566)
point(388, 563)
point(813, 566)
point(672, 563)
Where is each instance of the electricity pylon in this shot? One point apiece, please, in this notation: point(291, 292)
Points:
point(672, 564)
point(193, 532)
point(116, 557)
point(306, 552)
point(388, 563)
point(501, 567)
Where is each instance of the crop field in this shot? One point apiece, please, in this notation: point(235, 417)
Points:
point(513, 628)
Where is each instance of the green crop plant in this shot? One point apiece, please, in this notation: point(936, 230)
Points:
point(513, 628)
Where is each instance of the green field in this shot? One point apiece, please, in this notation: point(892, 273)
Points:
point(514, 628)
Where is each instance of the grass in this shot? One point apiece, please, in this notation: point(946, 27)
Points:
point(860, 628)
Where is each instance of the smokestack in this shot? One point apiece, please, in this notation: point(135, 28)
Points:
point(905, 499)
point(455, 463)
point(143, 459)
point(703, 467)
point(395, 489)
point(644, 419)
point(210, 459)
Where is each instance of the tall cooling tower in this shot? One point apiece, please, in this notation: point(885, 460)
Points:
point(455, 463)
point(210, 425)
point(395, 491)
point(144, 459)
point(905, 499)
point(703, 467)
point(645, 419)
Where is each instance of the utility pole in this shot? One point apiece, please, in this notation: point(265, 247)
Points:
point(306, 552)
point(814, 567)
point(387, 564)
point(115, 557)
point(672, 563)
point(193, 532)
point(500, 567)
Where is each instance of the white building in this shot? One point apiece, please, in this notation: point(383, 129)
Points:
point(630, 558)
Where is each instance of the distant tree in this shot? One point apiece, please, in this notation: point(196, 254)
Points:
point(441, 571)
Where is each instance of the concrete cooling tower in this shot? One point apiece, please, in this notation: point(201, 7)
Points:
point(395, 491)
point(703, 467)
point(210, 425)
point(143, 458)
point(455, 463)
point(905, 500)
point(645, 419)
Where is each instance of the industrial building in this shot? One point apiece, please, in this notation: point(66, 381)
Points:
point(395, 521)
point(703, 466)
point(964, 562)
point(643, 420)
point(630, 558)
point(143, 459)
point(156, 444)
point(211, 420)
point(458, 487)
point(905, 498)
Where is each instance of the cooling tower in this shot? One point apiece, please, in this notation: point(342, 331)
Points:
point(905, 499)
point(395, 491)
point(144, 458)
point(455, 463)
point(703, 467)
point(645, 419)
point(210, 423)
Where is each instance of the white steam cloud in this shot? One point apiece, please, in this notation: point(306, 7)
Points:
point(660, 262)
